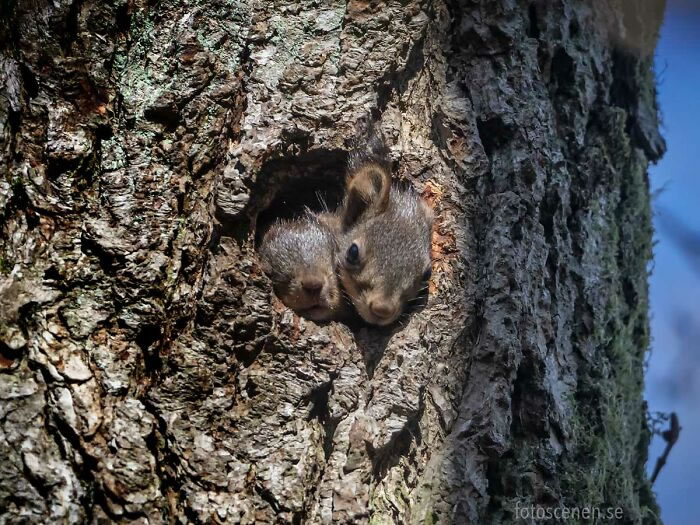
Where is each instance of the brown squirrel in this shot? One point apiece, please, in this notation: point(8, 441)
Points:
point(378, 241)
point(299, 257)
point(384, 256)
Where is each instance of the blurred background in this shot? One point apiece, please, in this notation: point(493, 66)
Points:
point(673, 376)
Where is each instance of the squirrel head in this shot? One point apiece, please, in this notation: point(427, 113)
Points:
point(384, 256)
point(298, 256)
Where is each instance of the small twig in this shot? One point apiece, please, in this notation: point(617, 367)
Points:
point(670, 436)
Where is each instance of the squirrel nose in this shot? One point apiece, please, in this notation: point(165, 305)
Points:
point(312, 284)
point(381, 309)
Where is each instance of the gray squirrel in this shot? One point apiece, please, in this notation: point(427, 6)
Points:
point(384, 257)
point(376, 244)
point(298, 256)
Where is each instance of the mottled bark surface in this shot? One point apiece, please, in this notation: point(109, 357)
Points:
point(148, 372)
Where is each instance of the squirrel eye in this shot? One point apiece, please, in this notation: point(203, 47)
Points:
point(353, 254)
point(426, 274)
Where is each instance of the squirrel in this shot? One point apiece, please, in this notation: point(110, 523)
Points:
point(299, 257)
point(376, 245)
point(385, 242)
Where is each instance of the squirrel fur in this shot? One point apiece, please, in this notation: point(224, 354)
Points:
point(374, 249)
point(385, 243)
point(299, 257)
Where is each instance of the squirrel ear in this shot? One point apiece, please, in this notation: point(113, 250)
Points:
point(367, 193)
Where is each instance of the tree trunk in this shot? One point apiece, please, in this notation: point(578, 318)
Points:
point(148, 372)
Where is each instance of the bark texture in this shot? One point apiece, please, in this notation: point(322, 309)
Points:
point(148, 372)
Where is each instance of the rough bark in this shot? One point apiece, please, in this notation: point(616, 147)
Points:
point(148, 372)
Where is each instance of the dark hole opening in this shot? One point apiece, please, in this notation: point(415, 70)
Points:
point(286, 186)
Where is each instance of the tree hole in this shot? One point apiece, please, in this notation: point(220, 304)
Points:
point(288, 185)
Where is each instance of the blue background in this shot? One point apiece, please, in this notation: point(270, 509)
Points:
point(673, 376)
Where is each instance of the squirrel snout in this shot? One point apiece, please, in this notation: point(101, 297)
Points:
point(312, 284)
point(382, 309)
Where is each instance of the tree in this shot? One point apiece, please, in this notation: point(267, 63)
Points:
point(150, 374)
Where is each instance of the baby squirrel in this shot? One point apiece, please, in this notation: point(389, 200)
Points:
point(377, 242)
point(299, 258)
point(384, 256)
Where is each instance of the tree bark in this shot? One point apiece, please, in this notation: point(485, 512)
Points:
point(150, 375)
